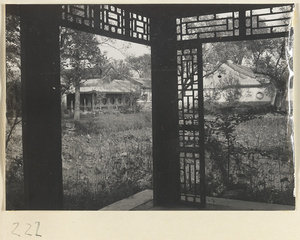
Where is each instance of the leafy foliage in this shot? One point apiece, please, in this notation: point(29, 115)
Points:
point(79, 54)
point(13, 48)
point(13, 75)
point(122, 69)
point(141, 65)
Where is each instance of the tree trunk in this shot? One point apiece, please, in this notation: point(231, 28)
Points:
point(77, 102)
point(280, 101)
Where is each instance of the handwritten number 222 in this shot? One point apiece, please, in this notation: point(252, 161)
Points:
point(27, 231)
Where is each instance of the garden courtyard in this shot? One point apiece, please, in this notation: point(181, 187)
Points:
point(107, 157)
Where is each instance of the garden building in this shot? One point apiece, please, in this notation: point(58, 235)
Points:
point(233, 82)
point(100, 93)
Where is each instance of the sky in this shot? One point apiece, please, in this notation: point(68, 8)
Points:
point(118, 49)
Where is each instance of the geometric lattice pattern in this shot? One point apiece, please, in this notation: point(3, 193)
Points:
point(208, 26)
point(190, 177)
point(112, 19)
point(80, 14)
point(139, 26)
point(187, 75)
point(268, 20)
point(109, 18)
point(189, 148)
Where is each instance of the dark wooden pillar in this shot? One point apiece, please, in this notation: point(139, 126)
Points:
point(41, 113)
point(93, 102)
point(165, 110)
point(242, 23)
point(84, 104)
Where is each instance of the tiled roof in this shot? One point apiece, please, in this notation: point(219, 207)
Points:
point(245, 76)
point(104, 86)
point(241, 69)
point(143, 82)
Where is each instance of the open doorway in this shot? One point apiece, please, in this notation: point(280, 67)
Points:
point(107, 151)
point(107, 137)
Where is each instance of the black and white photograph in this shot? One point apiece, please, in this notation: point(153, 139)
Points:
point(149, 107)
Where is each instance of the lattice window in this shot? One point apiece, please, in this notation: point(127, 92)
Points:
point(80, 14)
point(187, 86)
point(112, 19)
point(189, 133)
point(139, 26)
point(188, 138)
point(268, 20)
point(190, 176)
point(208, 26)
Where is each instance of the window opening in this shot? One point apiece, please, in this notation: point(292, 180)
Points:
point(248, 153)
point(226, 87)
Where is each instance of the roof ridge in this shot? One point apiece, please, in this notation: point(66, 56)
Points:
point(241, 69)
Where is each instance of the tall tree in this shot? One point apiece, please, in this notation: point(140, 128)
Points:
point(80, 56)
point(13, 47)
point(122, 69)
point(272, 58)
point(13, 74)
point(141, 65)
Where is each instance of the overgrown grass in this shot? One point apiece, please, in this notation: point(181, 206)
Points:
point(258, 164)
point(266, 133)
point(109, 157)
point(106, 159)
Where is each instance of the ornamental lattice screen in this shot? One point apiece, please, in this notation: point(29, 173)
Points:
point(190, 127)
point(107, 20)
point(191, 33)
